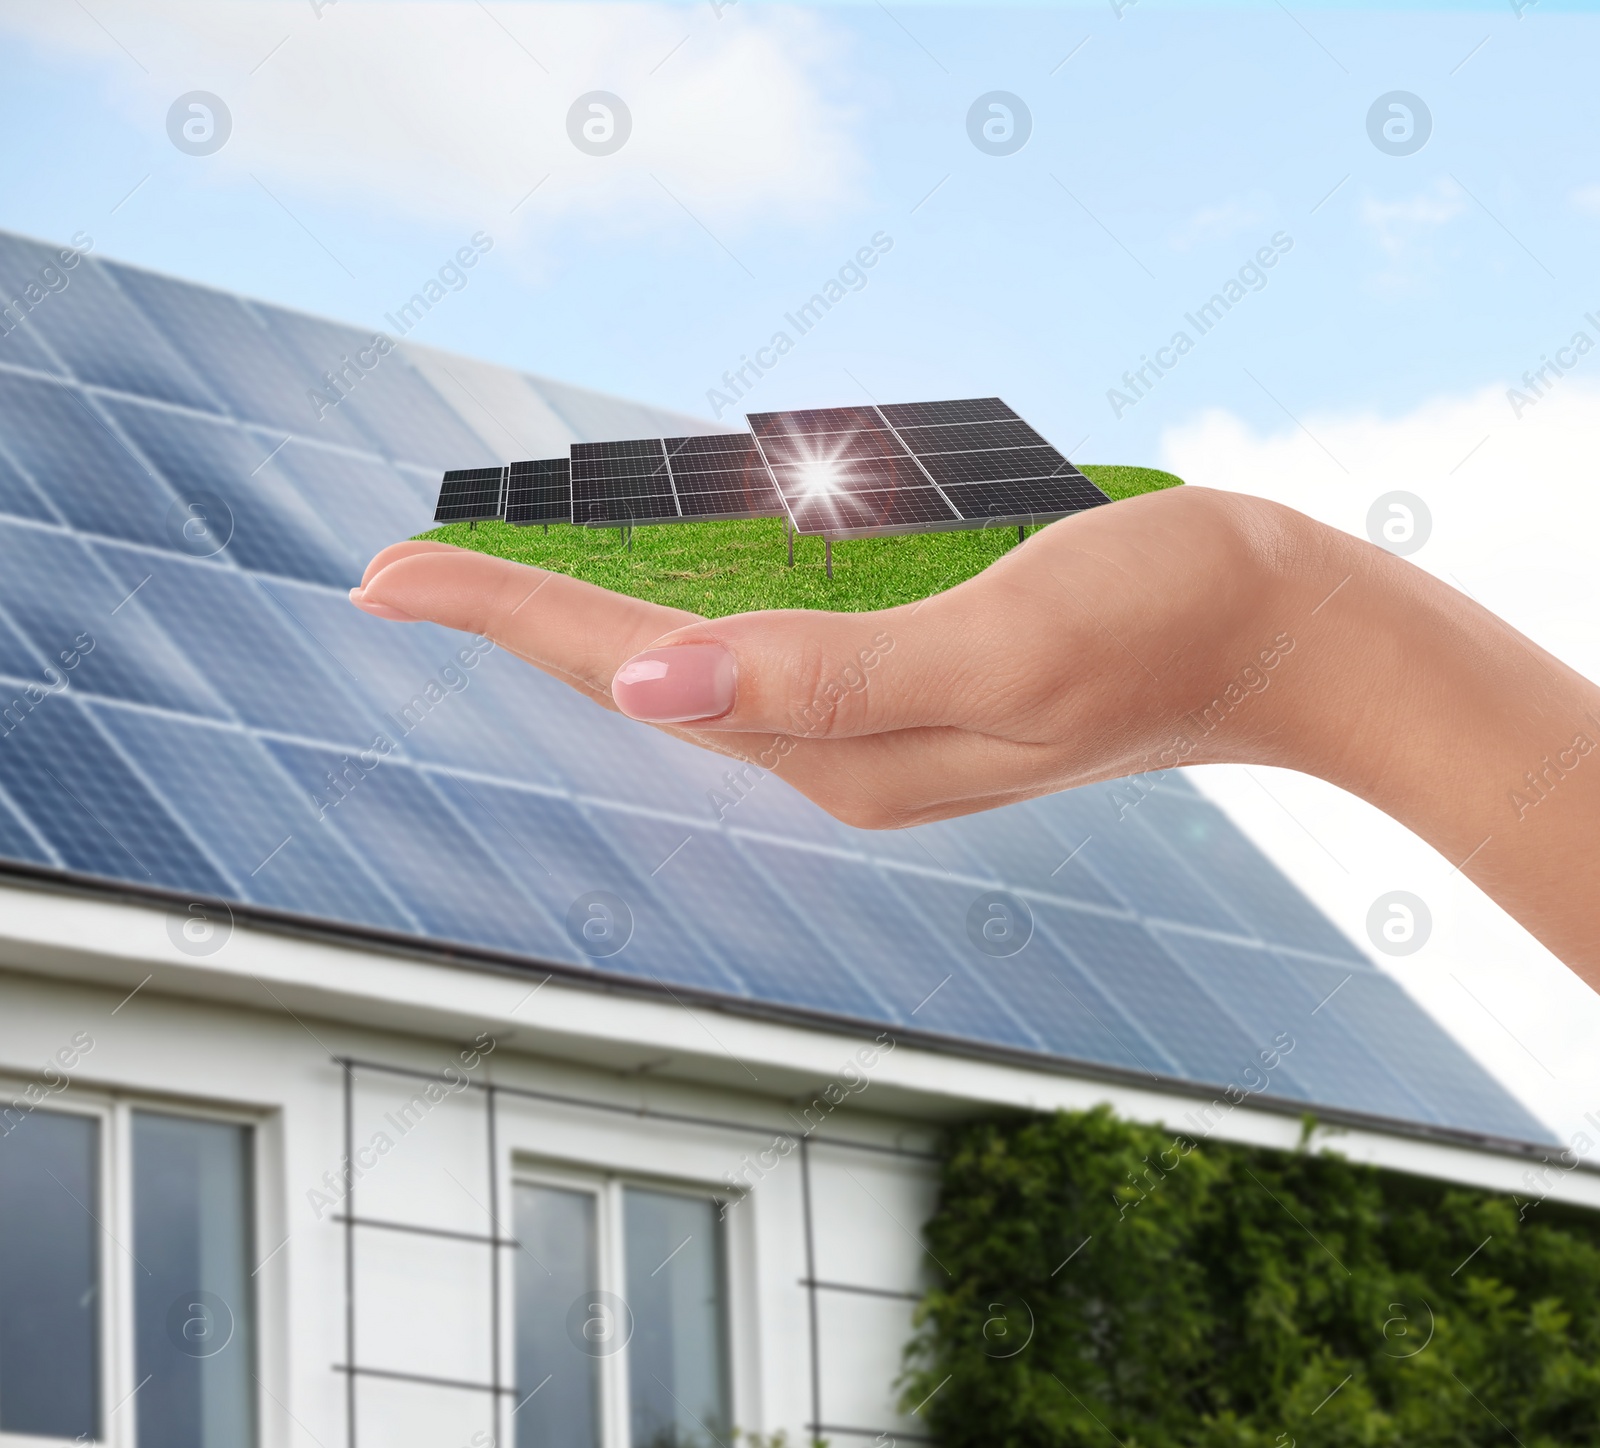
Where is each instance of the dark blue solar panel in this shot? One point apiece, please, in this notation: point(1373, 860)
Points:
point(1214, 848)
point(1371, 1007)
point(1138, 868)
point(260, 663)
point(252, 819)
point(1053, 1006)
point(20, 660)
point(18, 496)
point(1127, 962)
point(391, 817)
point(1326, 1061)
point(524, 827)
point(17, 841)
point(56, 593)
point(389, 400)
point(98, 816)
point(775, 951)
point(227, 341)
point(88, 473)
point(1021, 850)
point(212, 740)
point(417, 689)
point(273, 529)
point(20, 345)
point(362, 502)
point(91, 326)
point(902, 958)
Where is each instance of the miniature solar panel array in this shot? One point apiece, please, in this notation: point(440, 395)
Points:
point(188, 701)
point(841, 472)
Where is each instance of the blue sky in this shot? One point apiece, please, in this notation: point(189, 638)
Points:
point(371, 141)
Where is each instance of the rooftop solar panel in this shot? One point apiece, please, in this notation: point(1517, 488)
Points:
point(470, 495)
point(137, 774)
point(539, 491)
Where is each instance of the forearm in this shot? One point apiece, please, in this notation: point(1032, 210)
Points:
point(1410, 695)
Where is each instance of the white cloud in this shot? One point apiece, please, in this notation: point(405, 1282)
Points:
point(1216, 223)
point(1402, 227)
point(455, 111)
point(1516, 522)
point(1586, 199)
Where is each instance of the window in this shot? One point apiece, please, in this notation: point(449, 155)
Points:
point(193, 1323)
point(50, 1276)
point(112, 1334)
point(621, 1317)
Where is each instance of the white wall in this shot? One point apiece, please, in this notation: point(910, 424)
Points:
point(257, 1025)
point(423, 1303)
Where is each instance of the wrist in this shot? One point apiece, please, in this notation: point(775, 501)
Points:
point(1412, 696)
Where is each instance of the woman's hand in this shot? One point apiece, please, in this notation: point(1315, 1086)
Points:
point(1182, 627)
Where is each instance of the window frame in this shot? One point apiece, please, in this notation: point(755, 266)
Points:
point(114, 1110)
point(607, 1188)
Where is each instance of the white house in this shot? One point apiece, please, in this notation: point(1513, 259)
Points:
point(328, 1121)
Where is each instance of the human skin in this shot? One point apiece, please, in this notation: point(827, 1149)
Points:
point(1092, 652)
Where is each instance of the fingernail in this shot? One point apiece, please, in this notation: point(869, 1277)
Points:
point(380, 610)
point(674, 685)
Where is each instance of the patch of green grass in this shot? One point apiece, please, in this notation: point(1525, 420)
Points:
point(716, 569)
point(1117, 481)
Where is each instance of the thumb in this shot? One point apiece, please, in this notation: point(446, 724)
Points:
point(798, 672)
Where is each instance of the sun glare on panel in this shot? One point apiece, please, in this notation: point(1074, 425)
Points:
point(820, 477)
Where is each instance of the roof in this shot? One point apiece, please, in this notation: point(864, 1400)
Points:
point(208, 716)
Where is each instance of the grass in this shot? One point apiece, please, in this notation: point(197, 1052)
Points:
point(715, 569)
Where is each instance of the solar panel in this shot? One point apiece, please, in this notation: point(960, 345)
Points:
point(618, 483)
point(843, 473)
point(968, 463)
point(969, 409)
point(721, 476)
point(539, 491)
point(469, 495)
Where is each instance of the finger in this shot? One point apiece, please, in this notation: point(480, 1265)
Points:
point(893, 780)
point(572, 630)
point(834, 675)
point(397, 551)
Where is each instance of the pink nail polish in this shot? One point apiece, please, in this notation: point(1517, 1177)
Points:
point(380, 610)
point(675, 685)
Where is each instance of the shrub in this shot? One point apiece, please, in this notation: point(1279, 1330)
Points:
point(1222, 1295)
